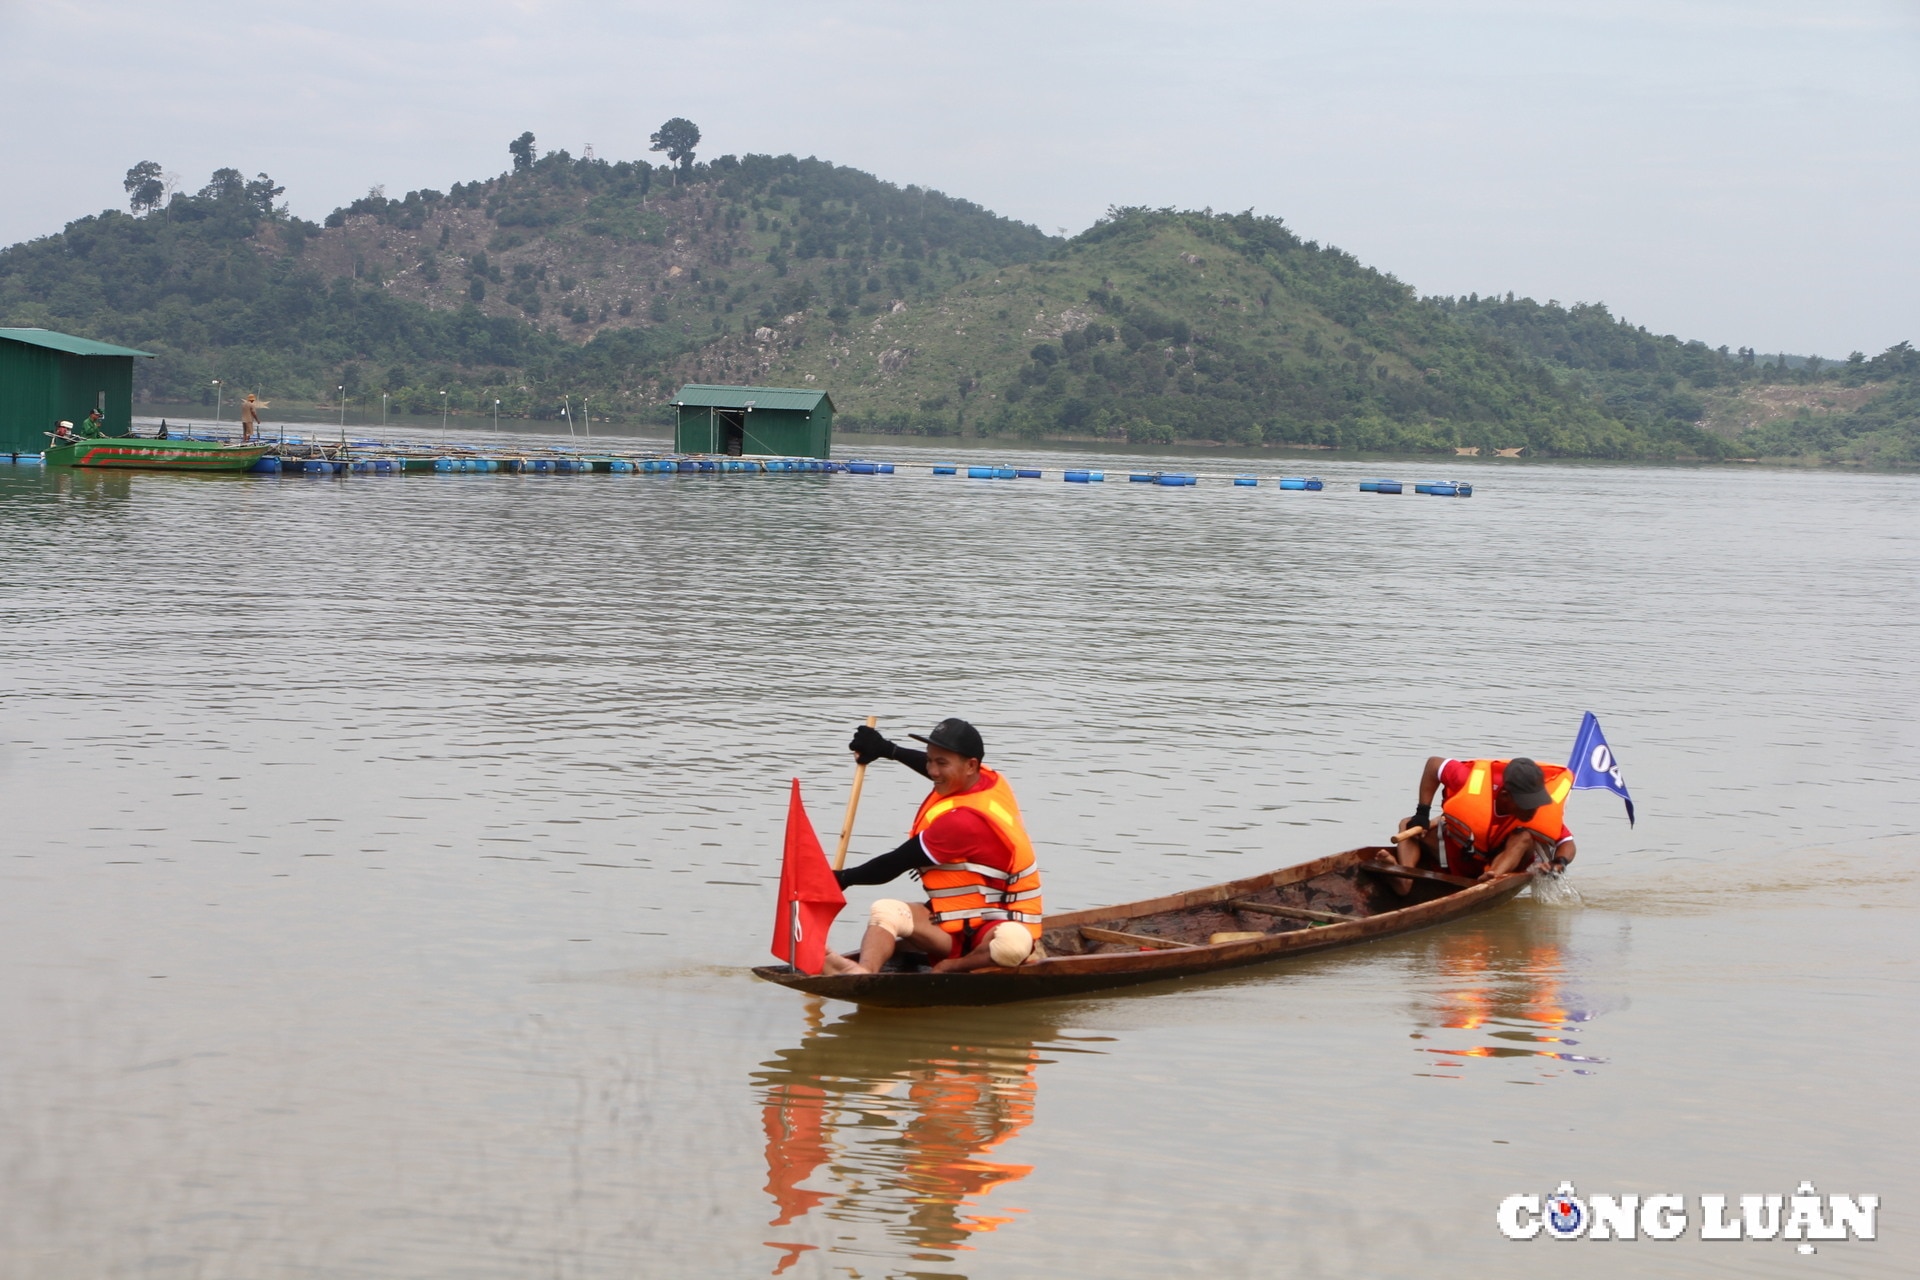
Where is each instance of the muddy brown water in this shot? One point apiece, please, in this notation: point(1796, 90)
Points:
point(386, 856)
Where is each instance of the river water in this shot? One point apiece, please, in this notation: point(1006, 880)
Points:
point(386, 856)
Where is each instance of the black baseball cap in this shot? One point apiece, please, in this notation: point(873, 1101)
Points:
point(955, 735)
point(1524, 784)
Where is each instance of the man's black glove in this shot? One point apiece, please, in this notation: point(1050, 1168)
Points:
point(1422, 817)
point(869, 744)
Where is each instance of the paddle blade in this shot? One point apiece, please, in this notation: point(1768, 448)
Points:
point(810, 897)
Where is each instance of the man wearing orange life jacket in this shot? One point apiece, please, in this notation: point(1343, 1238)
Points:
point(971, 851)
point(1496, 815)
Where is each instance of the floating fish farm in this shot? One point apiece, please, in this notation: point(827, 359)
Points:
point(359, 457)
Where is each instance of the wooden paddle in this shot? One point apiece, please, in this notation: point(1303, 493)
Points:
point(853, 806)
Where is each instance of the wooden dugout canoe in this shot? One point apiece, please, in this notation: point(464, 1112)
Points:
point(1335, 901)
point(154, 455)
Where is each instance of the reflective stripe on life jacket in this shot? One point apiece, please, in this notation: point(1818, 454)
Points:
point(962, 894)
point(1470, 815)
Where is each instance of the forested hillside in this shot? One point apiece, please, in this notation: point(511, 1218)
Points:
point(1860, 410)
point(560, 276)
point(919, 312)
point(1157, 325)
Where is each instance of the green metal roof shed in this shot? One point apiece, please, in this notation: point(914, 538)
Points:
point(780, 421)
point(46, 376)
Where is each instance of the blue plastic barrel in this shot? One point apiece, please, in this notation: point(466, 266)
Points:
point(942, 469)
point(444, 464)
point(319, 467)
point(266, 466)
point(981, 473)
point(1139, 477)
point(1462, 490)
point(1245, 482)
point(1170, 480)
point(621, 467)
point(863, 468)
point(1077, 477)
point(1315, 483)
point(886, 468)
point(1293, 482)
point(1380, 486)
point(1023, 473)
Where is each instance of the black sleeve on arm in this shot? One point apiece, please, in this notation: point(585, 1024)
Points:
point(888, 866)
point(914, 760)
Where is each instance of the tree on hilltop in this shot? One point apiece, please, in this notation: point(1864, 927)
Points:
point(145, 189)
point(521, 148)
point(261, 193)
point(226, 184)
point(677, 137)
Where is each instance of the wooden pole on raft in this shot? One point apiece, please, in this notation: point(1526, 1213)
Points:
point(853, 805)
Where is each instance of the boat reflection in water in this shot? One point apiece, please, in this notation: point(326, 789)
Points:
point(1504, 990)
point(899, 1120)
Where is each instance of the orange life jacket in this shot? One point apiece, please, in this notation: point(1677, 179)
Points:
point(967, 894)
point(1470, 818)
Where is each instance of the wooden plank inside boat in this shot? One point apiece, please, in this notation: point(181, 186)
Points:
point(1131, 939)
point(1295, 913)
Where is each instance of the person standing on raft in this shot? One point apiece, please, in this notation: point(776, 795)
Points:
point(250, 416)
point(971, 852)
point(1496, 814)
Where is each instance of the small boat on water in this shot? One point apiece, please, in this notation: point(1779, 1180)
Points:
point(161, 455)
point(1335, 901)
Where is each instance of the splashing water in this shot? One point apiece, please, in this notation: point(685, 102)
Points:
point(1550, 888)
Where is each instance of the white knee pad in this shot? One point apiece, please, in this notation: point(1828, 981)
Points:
point(1010, 945)
point(893, 915)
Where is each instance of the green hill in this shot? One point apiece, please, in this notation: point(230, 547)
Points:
point(1157, 325)
point(920, 312)
point(563, 276)
point(1863, 410)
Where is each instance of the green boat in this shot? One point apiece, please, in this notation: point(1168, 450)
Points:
point(157, 455)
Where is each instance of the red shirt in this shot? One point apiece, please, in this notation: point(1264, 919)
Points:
point(1453, 778)
point(963, 835)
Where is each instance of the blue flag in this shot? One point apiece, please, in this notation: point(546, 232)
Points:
point(1593, 765)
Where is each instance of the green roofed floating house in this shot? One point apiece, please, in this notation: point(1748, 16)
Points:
point(47, 376)
point(770, 421)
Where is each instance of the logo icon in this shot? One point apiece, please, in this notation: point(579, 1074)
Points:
point(1566, 1214)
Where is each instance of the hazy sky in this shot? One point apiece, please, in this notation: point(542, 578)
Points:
point(1747, 173)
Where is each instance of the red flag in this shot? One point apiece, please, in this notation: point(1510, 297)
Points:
point(809, 895)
